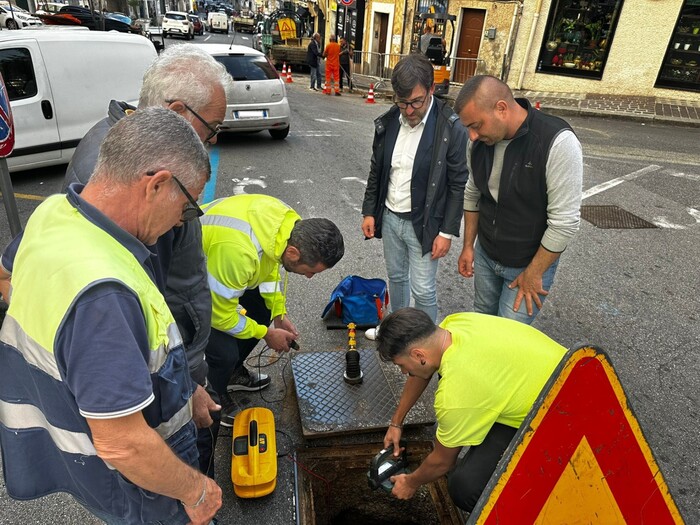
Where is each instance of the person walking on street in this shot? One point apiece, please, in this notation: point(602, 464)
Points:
point(246, 239)
point(94, 377)
point(313, 55)
point(192, 83)
point(415, 188)
point(345, 65)
point(332, 56)
point(522, 202)
point(491, 370)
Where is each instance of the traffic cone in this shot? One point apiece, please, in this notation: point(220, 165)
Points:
point(537, 105)
point(284, 69)
point(370, 95)
point(289, 75)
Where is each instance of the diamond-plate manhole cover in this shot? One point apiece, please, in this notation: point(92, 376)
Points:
point(328, 405)
point(613, 217)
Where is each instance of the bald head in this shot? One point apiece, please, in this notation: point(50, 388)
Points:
point(485, 91)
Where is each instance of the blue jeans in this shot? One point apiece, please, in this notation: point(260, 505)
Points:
point(180, 518)
point(410, 272)
point(315, 78)
point(491, 293)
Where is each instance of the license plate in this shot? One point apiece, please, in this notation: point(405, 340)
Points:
point(259, 113)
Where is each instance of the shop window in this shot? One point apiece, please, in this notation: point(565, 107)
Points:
point(578, 36)
point(681, 66)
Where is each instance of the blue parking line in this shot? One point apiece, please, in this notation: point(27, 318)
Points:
point(210, 187)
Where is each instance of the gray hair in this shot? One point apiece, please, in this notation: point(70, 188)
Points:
point(149, 140)
point(411, 71)
point(184, 72)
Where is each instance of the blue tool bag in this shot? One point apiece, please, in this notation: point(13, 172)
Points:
point(359, 300)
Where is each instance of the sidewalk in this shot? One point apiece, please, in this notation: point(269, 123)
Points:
point(644, 109)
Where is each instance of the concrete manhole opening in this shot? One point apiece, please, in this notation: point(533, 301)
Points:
point(332, 489)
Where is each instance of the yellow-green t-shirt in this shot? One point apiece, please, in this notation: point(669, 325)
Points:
point(492, 372)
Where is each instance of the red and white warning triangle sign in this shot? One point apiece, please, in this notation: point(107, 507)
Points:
point(580, 458)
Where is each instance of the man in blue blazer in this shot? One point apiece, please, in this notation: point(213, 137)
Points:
point(415, 188)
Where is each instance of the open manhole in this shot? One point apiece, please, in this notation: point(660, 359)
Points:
point(610, 216)
point(332, 489)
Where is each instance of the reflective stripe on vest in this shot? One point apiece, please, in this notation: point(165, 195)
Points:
point(62, 255)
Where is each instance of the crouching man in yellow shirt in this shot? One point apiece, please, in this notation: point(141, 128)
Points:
point(490, 369)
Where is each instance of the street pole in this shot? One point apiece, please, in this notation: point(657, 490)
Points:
point(8, 198)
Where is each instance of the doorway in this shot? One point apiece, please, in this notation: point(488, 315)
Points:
point(469, 42)
point(379, 41)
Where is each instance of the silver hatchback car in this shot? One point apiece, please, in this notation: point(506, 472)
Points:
point(258, 100)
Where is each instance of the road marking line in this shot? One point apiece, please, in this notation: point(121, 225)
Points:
point(28, 197)
point(614, 182)
point(695, 214)
point(357, 179)
point(340, 120)
point(663, 222)
point(688, 176)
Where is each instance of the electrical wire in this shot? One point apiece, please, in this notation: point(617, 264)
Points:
point(250, 361)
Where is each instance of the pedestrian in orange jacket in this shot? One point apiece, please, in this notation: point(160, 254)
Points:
point(332, 56)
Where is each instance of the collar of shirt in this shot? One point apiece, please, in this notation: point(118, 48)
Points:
point(99, 219)
point(403, 122)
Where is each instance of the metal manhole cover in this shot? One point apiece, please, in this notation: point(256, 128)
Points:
point(328, 405)
point(613, 217)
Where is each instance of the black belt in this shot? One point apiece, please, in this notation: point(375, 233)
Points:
point(406, 215)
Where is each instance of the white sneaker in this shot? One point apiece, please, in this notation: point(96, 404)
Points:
point(372, 333)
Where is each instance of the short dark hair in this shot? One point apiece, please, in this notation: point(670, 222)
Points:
point(411, 71)
point(495, 90)
point(318, 241)
point(401, 329)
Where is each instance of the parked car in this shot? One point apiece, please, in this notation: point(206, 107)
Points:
point(197, 24)
point(56, 98)
point(177, 23)
point(14, 17)
point(258, 99)
point(92, 20)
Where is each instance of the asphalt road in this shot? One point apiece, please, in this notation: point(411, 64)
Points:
point(632, 292)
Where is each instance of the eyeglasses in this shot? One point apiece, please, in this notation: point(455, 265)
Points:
point(193, 210)
point(416, 104)
point(213, 131)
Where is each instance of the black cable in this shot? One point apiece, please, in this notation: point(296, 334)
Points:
point(260, 366)
point(290, 446)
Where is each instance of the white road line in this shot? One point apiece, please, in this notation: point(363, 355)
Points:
point(663, 222)
point(340, 120)
point(688, 176)
point(208, 37)
point(695, 214)
point(245, 38)
point(614, 182)
point(321, 120)
point(356, 179)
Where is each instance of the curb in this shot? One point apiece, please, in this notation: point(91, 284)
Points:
point(579, 112)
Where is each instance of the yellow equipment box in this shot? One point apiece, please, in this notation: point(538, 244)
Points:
point(254, 457)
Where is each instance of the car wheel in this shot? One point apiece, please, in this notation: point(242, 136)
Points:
point(279, 134)
point(12, 24)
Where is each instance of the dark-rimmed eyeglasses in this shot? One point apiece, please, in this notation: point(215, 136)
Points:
point(213, 131)
point(415, 104)
point(192, 211)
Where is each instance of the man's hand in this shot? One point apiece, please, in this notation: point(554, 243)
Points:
point(368, 226)
point(529, 284)
point(441, 245)
point(393, 437)
point(403, 486)
point(465, 263)
point(203, 513)
point(202, 405)
point(285, 324)
point(279, 339)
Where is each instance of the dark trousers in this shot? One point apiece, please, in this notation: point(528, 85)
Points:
point(470, 475)
point(345, 72)
point(225, 353)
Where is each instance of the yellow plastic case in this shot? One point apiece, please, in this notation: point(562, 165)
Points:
point(254, 454)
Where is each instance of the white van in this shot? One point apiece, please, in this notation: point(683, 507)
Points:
point(217, 22)
point(60, 83)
